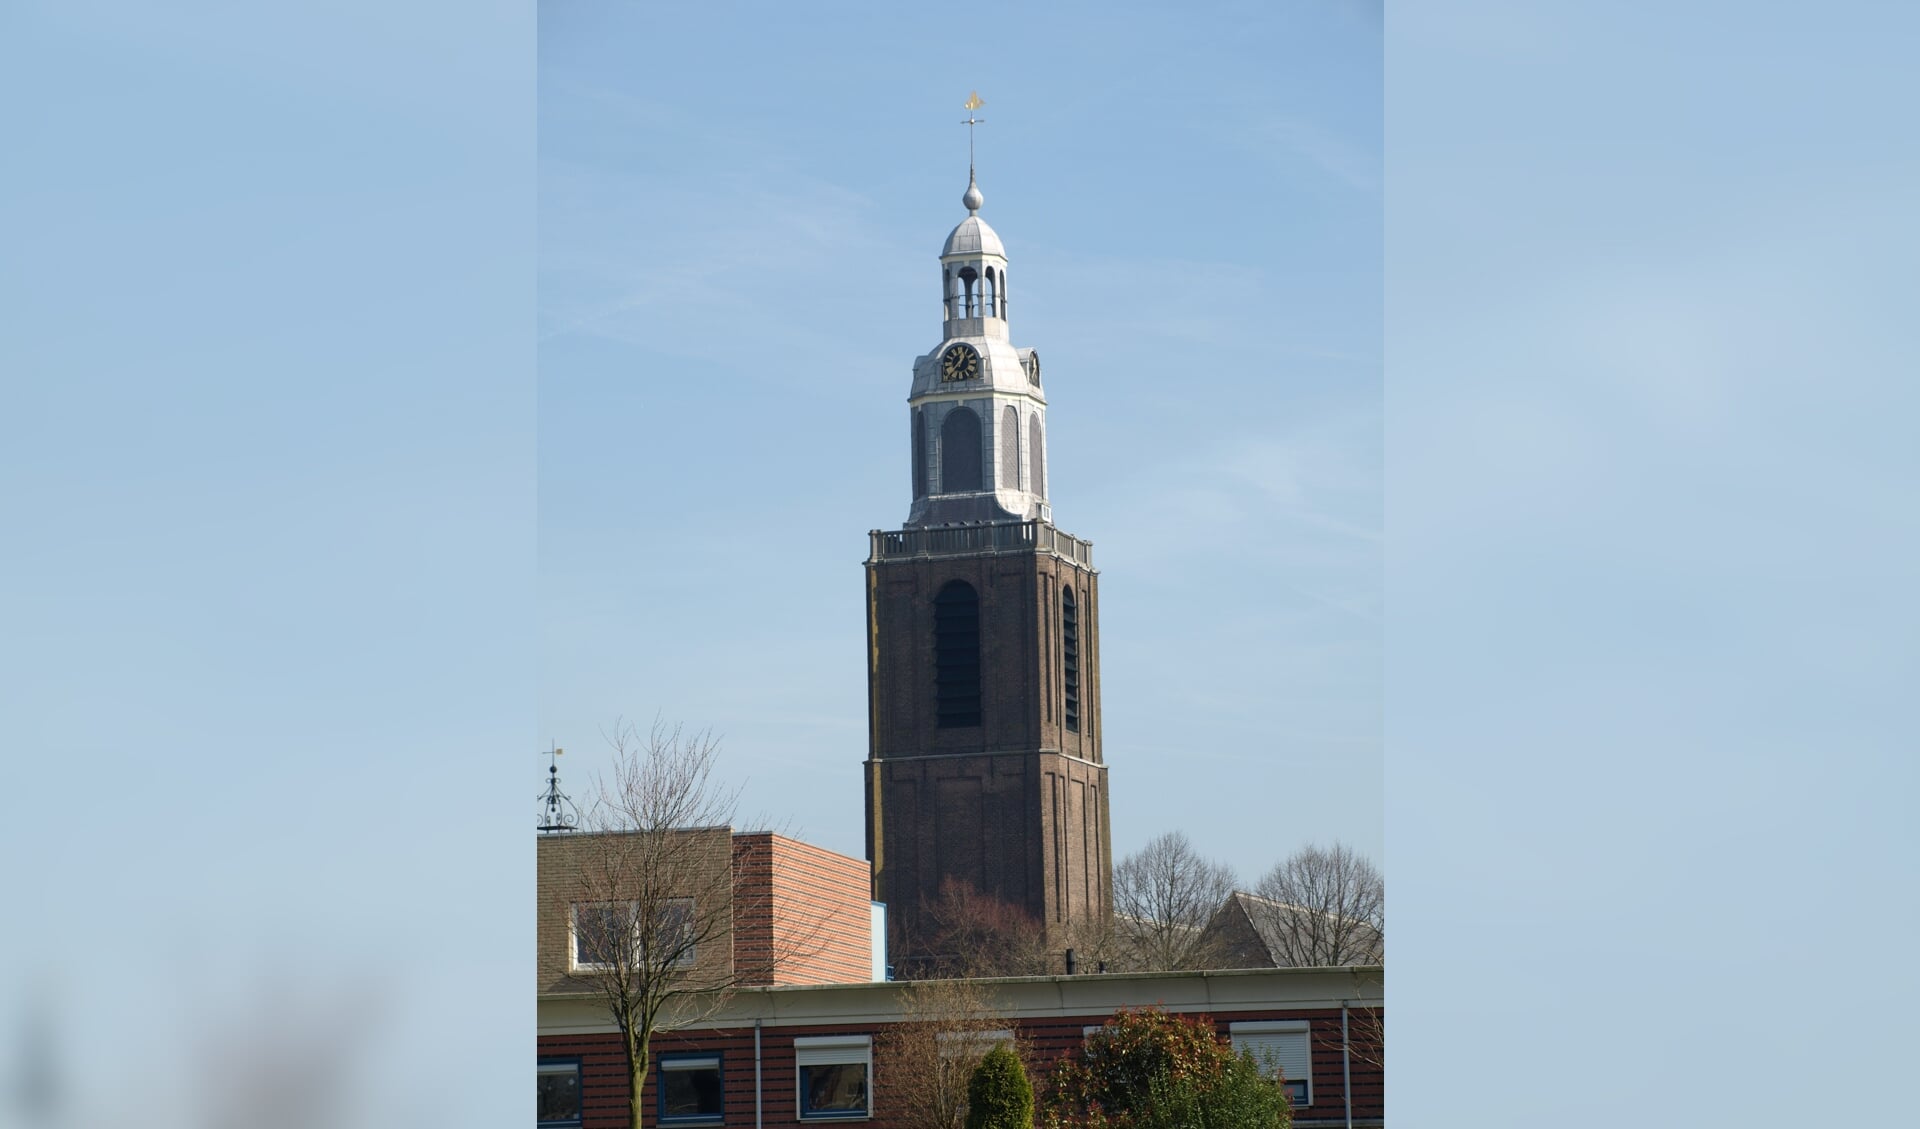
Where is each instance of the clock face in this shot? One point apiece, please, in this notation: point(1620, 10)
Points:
point(959, 362)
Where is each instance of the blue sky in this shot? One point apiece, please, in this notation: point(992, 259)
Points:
point(277, 621)
point(738, 265)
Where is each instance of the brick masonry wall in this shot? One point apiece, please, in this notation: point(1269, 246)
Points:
point(803, 912)
point(570, 868)
point(1017, 806)
point(1046, 1040)
point(1022, 677)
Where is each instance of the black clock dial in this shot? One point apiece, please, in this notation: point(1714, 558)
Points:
point(959, 362)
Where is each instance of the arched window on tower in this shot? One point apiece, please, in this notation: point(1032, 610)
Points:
point(919, 453)
point(960, 452)
point(970, 282)
point(1070, 657)
point(956, 656)
point(1037, 456)
point(1003, 293)
point(992, 310)
point(951, 296)
point(1009, 450)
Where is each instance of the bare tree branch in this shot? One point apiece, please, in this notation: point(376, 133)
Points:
point(1323, 906)
point(948, 1026)
point(965, 933)
point(645, 903)
point(1163, 897)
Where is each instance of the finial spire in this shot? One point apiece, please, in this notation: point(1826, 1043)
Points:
point(557, 812)
point(972, 199)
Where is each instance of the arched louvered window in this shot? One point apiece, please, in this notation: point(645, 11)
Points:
point(1070, 657)
point(1037, 456)
point(960, 452)
point(970, 281)
point(1009, 450)
point(956, 656)
point(992, 296)
point(919, 453)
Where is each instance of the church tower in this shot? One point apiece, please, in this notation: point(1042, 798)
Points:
point(983, 663)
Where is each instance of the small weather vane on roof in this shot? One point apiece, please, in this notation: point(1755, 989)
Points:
point(557, 812)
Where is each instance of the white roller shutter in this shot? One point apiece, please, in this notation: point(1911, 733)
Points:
point(829, 1050)
point(1282, 1044)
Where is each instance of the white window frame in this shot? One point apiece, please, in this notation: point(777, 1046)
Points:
point(831, 1050)
point(1263, 1030)
point(685, 960)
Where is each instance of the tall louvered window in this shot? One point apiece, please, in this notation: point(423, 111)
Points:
point(919, 453)
point(1009, 438)
point(960, 452)
point(956, 656)
point(1036, 457)
point(1070, 657)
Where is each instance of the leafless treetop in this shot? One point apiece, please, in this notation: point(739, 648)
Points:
point(1326, 906)
point(1163, 896)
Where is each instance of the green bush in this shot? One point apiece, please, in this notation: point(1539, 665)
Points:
point(1151, 1070)
point(999, 1095)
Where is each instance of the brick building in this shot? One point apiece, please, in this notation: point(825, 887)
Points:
point(984, 765)
point(795, 1055)
point(789, 912)
point(984, 770)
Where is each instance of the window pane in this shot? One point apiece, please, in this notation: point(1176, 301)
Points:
point(559, 1100)
point(690, 1090)
point(594, 931)
point(673, 933)
point(840, 1088)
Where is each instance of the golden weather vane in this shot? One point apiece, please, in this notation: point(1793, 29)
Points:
point(974, 102)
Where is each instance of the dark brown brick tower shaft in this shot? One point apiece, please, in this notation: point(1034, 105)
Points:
point(998, 783)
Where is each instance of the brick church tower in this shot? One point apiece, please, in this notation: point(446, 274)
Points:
point(983, 658)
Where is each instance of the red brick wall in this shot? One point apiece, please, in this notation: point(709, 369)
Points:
point(802, 908)
point(604, 1078)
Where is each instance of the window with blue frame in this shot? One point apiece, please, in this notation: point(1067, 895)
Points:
point(559, 1101)
point(832, 1076)
point(690, 1090)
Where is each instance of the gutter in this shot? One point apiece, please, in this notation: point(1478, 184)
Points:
point(1346, 1069)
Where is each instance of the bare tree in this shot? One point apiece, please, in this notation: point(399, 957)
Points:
point(967, 933)
point(948, 1026)
point(1325, 906)
point(1365, 1037)
point(641, 907)
point(1163, 896)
